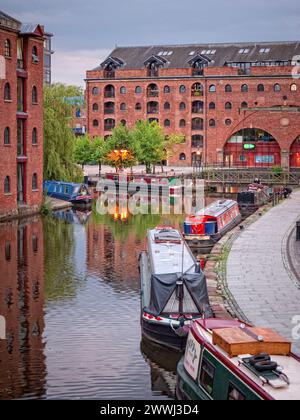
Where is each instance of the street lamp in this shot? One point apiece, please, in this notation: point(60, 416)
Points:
point(197, 160)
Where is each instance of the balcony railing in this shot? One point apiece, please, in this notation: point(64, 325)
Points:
point(109, 110)
point(197, 143)
point(197, 72)
point(152, 110)
point(152, 72)
point(109, 74)
point(197, 93)
point(109, 94)
point(109, 127)
point(197, 127)
point(152, 93)
point(197, 110)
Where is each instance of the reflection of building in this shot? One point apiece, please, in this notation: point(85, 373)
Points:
point(21, 116)
point(47, 58)
point(22, 366)
point(209, 94)
point(113, 258)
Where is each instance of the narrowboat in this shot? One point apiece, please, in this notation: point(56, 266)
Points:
point(77, 194)
point(229, 360)
point(173, 289)
point(251, 199)
point(206, 227)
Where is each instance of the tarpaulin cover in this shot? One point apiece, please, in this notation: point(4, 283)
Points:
point(163, 286)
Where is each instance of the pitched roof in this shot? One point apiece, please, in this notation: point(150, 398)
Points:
point(9, 22)
point(178, 56)
point(32, 29)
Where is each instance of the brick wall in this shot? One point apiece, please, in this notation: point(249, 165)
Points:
point(32, 76)
point(285, 127)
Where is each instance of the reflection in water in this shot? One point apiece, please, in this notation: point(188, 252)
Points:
point(22, 360)
point(163, 363)
point(70, 293)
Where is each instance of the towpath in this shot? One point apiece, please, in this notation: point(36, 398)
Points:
point(263, 271)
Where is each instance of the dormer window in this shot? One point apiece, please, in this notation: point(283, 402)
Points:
point(110, 65)
point(154, 63)
point(198, 63)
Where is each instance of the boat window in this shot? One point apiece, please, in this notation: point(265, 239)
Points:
point(69, 190)
point(207, 376)
point(76, 189)
point(235, 394)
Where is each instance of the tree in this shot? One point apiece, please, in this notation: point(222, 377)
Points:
point(170, 142)
point(59, 140)
point(121, 150)
point(149, 140)
point(98, 151)
point(83, 152)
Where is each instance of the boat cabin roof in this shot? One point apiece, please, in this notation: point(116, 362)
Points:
point(203, 332)
point(71, 184)
point(217, 208)
point(166, 248)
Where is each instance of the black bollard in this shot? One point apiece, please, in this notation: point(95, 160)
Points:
point(298, 230)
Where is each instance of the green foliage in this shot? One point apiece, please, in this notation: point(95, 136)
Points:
point(149, 138)
point(277, 170)
point(46, 207)
point(59, 139)
point(169, 144)
point(98, 149)
point(83, 152)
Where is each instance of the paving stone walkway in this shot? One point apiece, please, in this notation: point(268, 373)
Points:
point(259, 273)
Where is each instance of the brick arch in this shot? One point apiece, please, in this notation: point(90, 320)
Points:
point(266, 151)
point(270, 122)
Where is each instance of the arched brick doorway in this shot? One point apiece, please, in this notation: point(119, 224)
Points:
point(295, 154)
point(252, 147)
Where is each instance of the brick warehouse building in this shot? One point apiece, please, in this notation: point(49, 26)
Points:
point(225, 99)
point(21, 116)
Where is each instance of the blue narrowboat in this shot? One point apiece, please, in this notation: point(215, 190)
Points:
point(77, 194)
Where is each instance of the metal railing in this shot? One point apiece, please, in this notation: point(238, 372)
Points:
point(243, 176)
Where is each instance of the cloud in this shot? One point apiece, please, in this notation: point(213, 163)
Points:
point(70, 67)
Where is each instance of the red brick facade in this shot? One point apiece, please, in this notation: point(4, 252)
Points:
point(21, 53)
point(232, 111)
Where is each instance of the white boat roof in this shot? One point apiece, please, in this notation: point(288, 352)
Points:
point(217, 208)
point(166, 257)
point(290, 365)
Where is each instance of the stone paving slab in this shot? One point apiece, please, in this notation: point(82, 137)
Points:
point(258, 275)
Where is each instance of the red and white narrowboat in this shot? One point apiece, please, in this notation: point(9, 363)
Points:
point(203, 229)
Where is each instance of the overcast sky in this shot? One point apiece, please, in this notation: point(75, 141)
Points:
point(85, 31)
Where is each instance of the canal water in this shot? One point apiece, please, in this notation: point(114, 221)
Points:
point(70, 294)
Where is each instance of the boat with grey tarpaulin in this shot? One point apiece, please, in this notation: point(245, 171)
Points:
point(173, 288)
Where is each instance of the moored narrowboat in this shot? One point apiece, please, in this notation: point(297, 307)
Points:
point(77, 194)
point(251, 199)
point(173, 289)
point(228, 360)
point(203, 229)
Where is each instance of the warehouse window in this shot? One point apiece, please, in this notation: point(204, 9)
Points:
point(7, 48)
point(7, 185)
point(7, 92)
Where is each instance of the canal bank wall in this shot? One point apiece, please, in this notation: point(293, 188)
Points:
point(252, 272)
